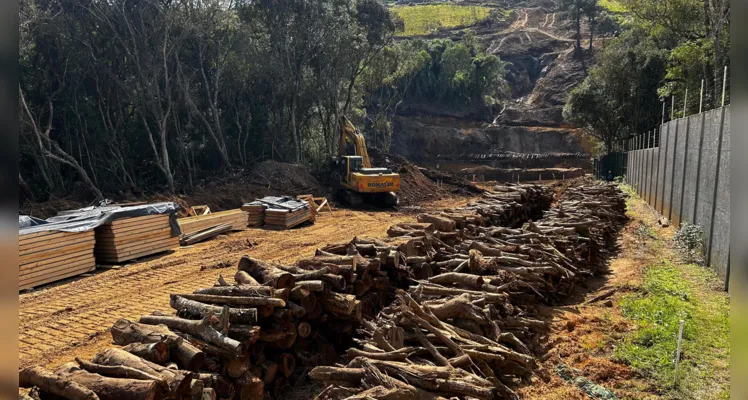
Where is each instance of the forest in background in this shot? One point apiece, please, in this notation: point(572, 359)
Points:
point(154, 95)
point(123, 97)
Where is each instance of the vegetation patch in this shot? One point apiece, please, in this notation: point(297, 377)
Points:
point(612, 6)
point(671, 293)
point(426, 19)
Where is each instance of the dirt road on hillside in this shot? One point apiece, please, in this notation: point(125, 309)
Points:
point(73, 319)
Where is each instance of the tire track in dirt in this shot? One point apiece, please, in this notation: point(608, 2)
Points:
point(73, 319)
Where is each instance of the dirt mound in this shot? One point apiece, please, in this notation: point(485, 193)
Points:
point(221, 192)
point(268, 178)
point(286, 178)
point(421, 184)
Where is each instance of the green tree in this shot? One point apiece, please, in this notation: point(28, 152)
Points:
point(619, 97)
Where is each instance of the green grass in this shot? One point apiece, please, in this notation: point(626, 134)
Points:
point(612, 6)
point(675, 292)
point(426, 19)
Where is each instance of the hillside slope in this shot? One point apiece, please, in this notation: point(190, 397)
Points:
point(539, 44)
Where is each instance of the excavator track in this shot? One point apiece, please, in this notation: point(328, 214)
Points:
point(354, 199)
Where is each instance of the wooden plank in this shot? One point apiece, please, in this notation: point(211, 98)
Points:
point(131, 245)
point(42, 281)
point(116, 239)
point(211, 215)
point(120, 258)
point(54, 260)
point(204, 234)
point(62, 269)
point(125, 222)
point(34, 235)
point(238, 223)
point(62, 242)
point(136, 247)
point(135, 228)
point(53, 271)
point(233, 221)
point(54, 252)
point(60, 265)
point(229, 217)
point(50, 235)
point(48, 239)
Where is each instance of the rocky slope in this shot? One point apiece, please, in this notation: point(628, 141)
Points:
point(538, 42)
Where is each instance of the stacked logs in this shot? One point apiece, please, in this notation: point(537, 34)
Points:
point(467, 328)
point(233, 341)
point(461, 328)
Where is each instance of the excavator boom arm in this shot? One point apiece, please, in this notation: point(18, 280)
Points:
point(348, 132)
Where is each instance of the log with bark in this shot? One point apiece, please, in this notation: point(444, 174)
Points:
point(266, 273)
point(111, 388)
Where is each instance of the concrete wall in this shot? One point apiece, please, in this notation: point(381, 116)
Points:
point(687, 178)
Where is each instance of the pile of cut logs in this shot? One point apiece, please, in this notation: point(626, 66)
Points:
point(437, 309)
point(466, 327)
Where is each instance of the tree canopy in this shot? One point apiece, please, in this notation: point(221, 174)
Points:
point(668, 47)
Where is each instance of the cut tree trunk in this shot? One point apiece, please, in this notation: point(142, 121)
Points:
point(238, 300)
point(266, 273)
point(53, 383)
point(154, 352)
point(178, 381)
point(111, 388)
point(243, 278)
point(236, 315)
point(117, 371)
point(239, 290)
point(201, 329)
point(126, 332)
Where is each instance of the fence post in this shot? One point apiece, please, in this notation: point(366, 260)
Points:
point(651, 171)
point(663, 113)
point(701, 97)
point(716, 174)
point(698, 168)
point(672, 172)
point(685, 164)
point(644, 165)
point(628, 161)
point(672, 107)
point(634, 165)
point(638, 164)
point(633, 162)
point(685, 104)
point(724, 85)
point(661, 177)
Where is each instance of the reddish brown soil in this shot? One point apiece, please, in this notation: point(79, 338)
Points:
point(582, 335)
point(73, 318)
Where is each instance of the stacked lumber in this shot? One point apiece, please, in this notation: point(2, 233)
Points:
point(130, 238)
point(284, 219)
point(237, 218)
point(255, 213)
point(285, 212)
point(49, 256)
point(466, 330)
point(282, 212)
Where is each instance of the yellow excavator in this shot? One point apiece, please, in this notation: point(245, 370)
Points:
point(358, 182)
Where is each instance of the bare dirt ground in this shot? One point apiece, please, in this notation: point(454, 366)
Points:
point(73, 319)
point(581, 333)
